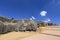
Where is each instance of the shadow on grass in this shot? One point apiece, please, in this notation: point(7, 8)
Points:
point(4, 33)
point(53, 29)
point(51, 34)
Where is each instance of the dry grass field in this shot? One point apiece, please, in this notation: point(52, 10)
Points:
point(48, 33)
point(21, 35)
point(16, 35)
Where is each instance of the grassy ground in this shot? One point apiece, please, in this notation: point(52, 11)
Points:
point(48, 33)
point(41, 29)
point(16, 35)
point(20, 35)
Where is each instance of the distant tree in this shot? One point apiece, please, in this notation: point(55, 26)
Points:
point(43, 24)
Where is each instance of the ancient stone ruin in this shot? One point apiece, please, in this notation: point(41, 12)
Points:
point(9, 25)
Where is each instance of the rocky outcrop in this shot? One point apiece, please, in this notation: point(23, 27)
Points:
point(9, 25)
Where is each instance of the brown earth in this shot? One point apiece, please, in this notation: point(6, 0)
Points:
point(51, 33)
point(44, 33)
point(15, 35)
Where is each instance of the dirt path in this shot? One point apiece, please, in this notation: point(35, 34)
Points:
point(49, 34)
point(16, 35)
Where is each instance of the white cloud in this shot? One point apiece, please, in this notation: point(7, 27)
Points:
point(30, 18)
point(43, 13)
point(33, 17)
point(47, 20)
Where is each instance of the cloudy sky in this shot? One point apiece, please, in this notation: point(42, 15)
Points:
point(48, 10)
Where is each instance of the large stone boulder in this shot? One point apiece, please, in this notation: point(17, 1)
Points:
point(26, 25)
point(2, 27)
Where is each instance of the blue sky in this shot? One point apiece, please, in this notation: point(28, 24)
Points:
point(21, 9)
